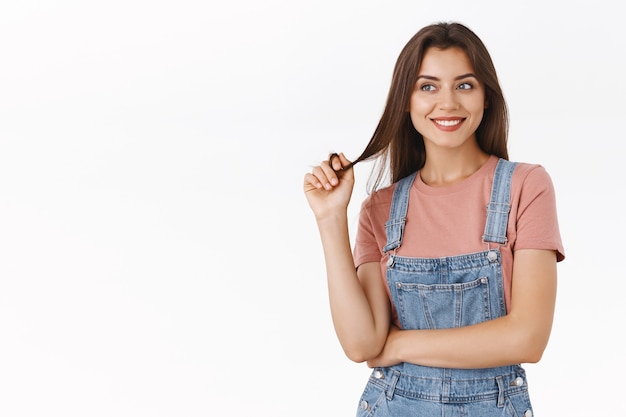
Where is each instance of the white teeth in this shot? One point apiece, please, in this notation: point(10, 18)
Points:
point(448, 122)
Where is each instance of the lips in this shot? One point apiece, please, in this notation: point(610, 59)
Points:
point(447, 122)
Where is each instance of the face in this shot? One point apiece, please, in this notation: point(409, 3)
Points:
point(448, 102)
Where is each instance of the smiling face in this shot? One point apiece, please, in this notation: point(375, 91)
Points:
point(448, 101)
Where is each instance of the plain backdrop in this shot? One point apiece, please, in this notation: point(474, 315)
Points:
point(157, 255)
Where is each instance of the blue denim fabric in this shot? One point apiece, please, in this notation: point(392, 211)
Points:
point(436, 293)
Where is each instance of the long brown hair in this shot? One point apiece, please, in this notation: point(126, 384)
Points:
point(397, 146)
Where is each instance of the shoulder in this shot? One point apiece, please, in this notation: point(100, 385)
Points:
point(531, 176)
point(524, 169)
point(379, 199)
point(532, 190)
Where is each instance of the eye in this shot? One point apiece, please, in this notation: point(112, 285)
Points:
point(427, 87)
point(465, 86)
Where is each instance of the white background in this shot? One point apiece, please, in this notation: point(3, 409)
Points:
point(157, 255)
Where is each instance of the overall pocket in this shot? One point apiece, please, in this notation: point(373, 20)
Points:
point(443, 306)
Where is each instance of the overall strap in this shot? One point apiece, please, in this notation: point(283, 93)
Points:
point(500, 203)
point(397, 214)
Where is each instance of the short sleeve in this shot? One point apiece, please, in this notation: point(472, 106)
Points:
point(537, 225)
point(366, 247)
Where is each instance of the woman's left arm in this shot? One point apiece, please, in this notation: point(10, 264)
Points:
point(519, 337)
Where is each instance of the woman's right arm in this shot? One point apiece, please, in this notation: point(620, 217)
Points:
point(359, 303)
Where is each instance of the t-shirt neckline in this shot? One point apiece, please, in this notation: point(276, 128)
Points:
point(487, 168)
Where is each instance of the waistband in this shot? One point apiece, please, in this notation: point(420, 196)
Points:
point(450, 385)
point(463, 262)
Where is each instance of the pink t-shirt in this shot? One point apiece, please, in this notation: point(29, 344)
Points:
point(450, 220)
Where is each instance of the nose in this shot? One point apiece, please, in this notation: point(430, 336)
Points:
point(448, 100)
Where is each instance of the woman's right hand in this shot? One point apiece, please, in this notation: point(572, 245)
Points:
point(327, 191)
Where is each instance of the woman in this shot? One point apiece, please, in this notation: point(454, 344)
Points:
point(451, 283)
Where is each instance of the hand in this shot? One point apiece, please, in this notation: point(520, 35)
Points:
point(387, 357)
point(326, 190)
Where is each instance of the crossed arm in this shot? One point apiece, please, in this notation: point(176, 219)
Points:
point(362, 322)
point(519, 337)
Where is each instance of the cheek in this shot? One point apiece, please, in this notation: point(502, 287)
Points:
point(477, 105)
point(479, 112)
point(476, 108)
point(420, 107)
point(419, 119)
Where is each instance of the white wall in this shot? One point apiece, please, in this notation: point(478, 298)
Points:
point(157, 255)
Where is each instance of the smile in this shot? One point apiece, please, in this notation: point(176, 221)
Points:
point(447, 123)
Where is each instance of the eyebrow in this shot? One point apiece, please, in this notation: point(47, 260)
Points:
point(459, 77)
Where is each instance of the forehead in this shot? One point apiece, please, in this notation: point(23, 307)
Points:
point(442, 62)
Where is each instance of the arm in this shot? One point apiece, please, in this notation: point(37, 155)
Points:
point(358, 301)
point(519, 337)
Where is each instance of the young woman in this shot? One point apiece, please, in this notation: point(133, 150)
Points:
point(451, 283)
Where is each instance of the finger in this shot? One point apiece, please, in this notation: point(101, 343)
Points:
point(345, 162)
point(325, 175)
point(335, 162)
point(340, 164)
point(311, 182)
point(346, 171)
point(330, 175)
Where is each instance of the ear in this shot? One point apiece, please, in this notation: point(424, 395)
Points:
point(486, 105)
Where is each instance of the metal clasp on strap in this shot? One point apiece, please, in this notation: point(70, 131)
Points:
point(391, 258)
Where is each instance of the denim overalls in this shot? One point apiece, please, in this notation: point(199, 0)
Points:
point(435, 293)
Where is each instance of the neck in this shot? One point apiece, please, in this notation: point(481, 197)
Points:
point(449, 167)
